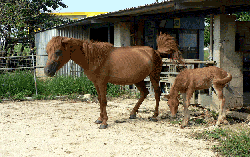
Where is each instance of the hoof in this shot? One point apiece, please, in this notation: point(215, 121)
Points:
point(132, 116)
point(103, 126)
point(98, 121)
point(153, 119)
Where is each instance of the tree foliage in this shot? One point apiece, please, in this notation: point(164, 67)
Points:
point(207, 32)
point(240, 16)
point(20, 18)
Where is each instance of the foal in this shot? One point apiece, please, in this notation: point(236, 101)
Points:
point(190, 80)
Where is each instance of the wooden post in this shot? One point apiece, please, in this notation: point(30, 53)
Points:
point(211, 37)
point(34, 72)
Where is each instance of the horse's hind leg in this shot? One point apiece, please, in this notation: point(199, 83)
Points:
point(222, 110)
point(155, 81)
point(143, 94)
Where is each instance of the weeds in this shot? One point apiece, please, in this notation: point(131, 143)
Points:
point(20, 84)
point(231, 143)
point(17, 84)
point(175, 121)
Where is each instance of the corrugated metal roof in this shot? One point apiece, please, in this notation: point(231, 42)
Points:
point(168, 6)
point(110, 14)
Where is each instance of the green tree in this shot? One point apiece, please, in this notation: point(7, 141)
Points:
point(207, 32)
point(240, 16)
point(19, 19)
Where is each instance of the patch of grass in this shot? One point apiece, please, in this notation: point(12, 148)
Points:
point(215, 115)
point(231, 143)
point(20, 84)
point(175, 121)
point(17, 84)
point(73, 96)
point(114, 90)
point(199, 120)
point(206, 55)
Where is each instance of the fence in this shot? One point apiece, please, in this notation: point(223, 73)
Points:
point(168, 74)
point(12, 63)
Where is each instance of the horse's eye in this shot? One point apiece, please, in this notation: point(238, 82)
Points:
point(58, 52)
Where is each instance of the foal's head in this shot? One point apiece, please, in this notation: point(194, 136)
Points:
point(58, 51)
point(173, 103)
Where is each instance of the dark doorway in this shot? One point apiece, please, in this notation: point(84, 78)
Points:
point(187, 39)
point(101, 34)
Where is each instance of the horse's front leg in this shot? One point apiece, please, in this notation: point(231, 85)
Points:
point(186, 101)
point(100, 119)
point(102, 91)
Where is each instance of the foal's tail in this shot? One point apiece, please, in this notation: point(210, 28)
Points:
point(224, 80)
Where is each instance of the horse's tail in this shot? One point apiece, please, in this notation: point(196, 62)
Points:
point(177, 55)
point(224, 80)
point(167, 45)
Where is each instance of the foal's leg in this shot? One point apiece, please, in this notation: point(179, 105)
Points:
point(186, 103)
point(222, 110)
point(143, 94)
point(155, 82)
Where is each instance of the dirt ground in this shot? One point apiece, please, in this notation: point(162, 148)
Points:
point(67, 128)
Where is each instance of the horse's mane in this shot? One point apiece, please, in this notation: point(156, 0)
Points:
point(96, 52)
point(53, 43)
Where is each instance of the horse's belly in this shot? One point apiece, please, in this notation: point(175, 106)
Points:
point(129, 71)
point(127, 78)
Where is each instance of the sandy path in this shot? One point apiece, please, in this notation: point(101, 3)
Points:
point(66, 128)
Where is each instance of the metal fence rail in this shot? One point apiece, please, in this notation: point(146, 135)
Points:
point(31, 66)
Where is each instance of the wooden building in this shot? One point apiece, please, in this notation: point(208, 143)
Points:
point(183, 19)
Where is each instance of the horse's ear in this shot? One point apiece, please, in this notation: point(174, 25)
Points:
point(65, 41)
point(160, 33)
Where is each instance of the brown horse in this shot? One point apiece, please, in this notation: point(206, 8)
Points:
point(102, 63)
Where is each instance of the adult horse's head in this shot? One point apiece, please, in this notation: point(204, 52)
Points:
point(58, 51)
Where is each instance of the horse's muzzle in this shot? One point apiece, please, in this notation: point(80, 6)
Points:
point(50, 70)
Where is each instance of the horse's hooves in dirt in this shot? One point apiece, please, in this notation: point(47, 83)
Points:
point(132, 117)
point(153, 119)
point(103, 126)
point(98, 121)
